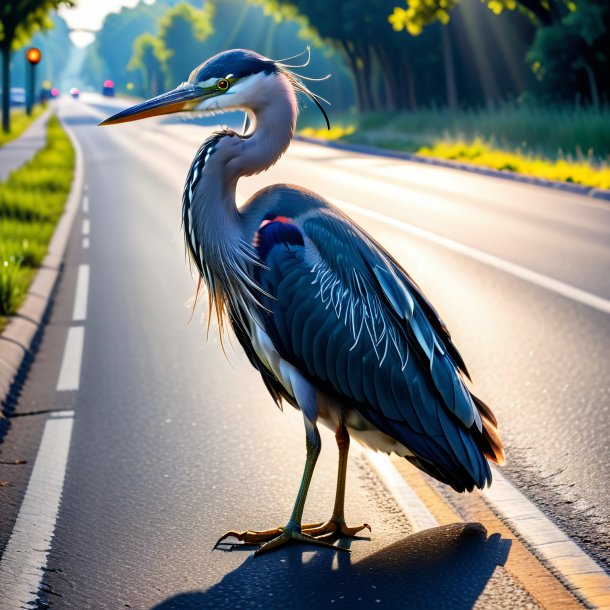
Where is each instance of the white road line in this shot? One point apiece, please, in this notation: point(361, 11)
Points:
point(566, 290)
point(85, 243)
point(79, 312)
point(25, 557)
point(408, 501)
point(583, 576)
point(85, 204)
point(86, 226)
point(69, 374)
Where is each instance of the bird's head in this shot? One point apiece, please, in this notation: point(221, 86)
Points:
point(233, 80)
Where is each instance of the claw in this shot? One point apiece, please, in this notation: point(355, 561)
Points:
point(251, 537)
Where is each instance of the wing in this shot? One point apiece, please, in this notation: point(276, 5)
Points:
point(355, 324)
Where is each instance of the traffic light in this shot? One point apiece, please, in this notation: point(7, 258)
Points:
point(33, 55)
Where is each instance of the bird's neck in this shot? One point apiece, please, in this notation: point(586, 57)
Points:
point(272, 129)
point(212, 221)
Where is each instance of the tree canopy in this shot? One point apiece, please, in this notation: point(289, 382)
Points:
point(181, 31)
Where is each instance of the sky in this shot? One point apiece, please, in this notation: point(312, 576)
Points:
point(89, 15)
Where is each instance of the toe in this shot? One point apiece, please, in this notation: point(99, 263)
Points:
point(344, 530)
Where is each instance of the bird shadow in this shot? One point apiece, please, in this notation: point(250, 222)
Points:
point(443, 567)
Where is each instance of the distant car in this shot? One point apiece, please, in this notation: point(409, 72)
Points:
point(108, 88)
point(74, 92)
point(17, 96)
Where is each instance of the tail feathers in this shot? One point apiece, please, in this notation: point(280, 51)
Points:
point(490, 439)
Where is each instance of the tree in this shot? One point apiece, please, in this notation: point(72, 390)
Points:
point(570, 50)
point(572, 55)
point(181, 32)
point(148, 57)
point(420, 14)
point(19, 19)
point(110, 54)
point(377, 57)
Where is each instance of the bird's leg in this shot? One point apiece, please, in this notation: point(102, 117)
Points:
point(336, 525)
point(275, 538)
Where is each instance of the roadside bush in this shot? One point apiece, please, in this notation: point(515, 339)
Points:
point(32, 200)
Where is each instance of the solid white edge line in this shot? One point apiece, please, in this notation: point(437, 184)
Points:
point(86, 226)
point(566, 290)
point(408, 501)
point(25, 556)
point(581, 574)
point(79, 313)
point(69, 373)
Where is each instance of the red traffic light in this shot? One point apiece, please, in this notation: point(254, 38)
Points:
point(33, 55)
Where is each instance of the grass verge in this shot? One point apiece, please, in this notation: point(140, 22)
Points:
point(32, 200)
point(20, 121)
point(568, 144)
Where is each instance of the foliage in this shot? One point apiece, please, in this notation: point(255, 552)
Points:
point(420, 13)
point(569, 54)
point(479, 153)
point(56, 46)
point(181, 32)
point(31, 202)
point(148, 57)
point(336, 132)
point(18, 21)
point(14, 282)
point(376, 56)
point(554, 133)
point(109, 56)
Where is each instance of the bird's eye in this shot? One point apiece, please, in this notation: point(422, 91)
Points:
point(223, 84)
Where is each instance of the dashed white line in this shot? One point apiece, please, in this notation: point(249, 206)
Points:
point(85, 243)
point(566, 290)
point(85, 204)
point(86, 226)
point(25, 557)
point(79, 312)
point(69, 374)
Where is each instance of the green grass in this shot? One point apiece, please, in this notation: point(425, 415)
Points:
point(32, 200)
point(564, 143)
point(20, 121)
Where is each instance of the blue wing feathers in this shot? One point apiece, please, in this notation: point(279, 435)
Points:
point(356, 324)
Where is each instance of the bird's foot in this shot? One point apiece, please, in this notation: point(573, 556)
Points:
point(276, 538)
point(334, 528)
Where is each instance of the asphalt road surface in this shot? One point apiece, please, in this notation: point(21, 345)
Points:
point(173, 444)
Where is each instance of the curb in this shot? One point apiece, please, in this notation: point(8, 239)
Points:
point(21, 337)
point(577, 189)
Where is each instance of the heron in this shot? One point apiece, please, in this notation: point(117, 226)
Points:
point(332, 322)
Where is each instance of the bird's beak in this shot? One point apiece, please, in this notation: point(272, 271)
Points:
point(184, 97)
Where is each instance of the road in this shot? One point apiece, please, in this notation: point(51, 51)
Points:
point(173, 443)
